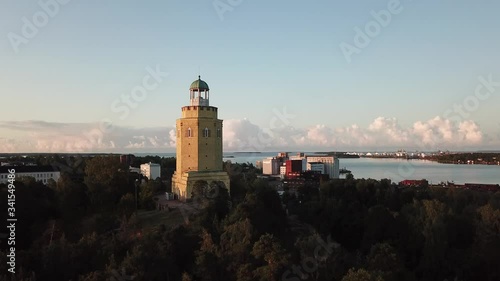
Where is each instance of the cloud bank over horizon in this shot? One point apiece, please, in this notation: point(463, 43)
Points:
point(242, 135)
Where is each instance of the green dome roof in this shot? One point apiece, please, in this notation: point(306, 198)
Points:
point(199, 84)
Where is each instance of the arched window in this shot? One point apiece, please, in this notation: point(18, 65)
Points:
point(189, 133)
point(206, 133)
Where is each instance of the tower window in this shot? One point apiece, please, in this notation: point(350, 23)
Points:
point(206, 133)
point(219, 133)
point(189, 133)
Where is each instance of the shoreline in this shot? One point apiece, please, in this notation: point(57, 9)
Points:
point(437, 161)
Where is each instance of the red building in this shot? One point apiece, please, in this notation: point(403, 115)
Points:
point(297, 179)
point(127, 159)
point(293, 166)
point(414, 183)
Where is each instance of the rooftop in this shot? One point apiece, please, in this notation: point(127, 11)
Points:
point(28, 169)
point(199, 85)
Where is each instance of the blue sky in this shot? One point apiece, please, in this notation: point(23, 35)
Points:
point(258, 57)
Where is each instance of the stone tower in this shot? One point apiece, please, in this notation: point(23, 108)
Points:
point(199, 144)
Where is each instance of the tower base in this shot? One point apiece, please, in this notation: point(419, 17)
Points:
point(182, 183)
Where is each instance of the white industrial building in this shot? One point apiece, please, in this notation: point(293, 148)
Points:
point(39, 173)
point(151, 171)
point(326, 164)
point(270, 166)
point(282, 171)
point(316, 166)
point(331, 164)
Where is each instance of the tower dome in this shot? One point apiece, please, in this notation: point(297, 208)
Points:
point(199, 85)
point(199, 93)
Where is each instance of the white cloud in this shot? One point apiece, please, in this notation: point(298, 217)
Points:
point(439, 131)
point(172, 139)
point(382, 132)
point(388, 130)
point(470, 132)
point(243, 135)
point(82, 137)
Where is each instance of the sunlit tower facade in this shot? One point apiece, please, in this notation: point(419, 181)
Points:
point(199, 143)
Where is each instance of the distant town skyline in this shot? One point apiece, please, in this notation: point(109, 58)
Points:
point(286, 76)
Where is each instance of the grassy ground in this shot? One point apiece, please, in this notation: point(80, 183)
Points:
point(152, 219)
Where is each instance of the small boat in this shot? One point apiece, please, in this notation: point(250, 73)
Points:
point(344, 171)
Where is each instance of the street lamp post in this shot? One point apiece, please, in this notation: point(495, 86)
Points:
point(136, 186)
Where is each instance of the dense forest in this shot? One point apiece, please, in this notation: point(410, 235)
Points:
point(86, 227)
point(464, 158)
